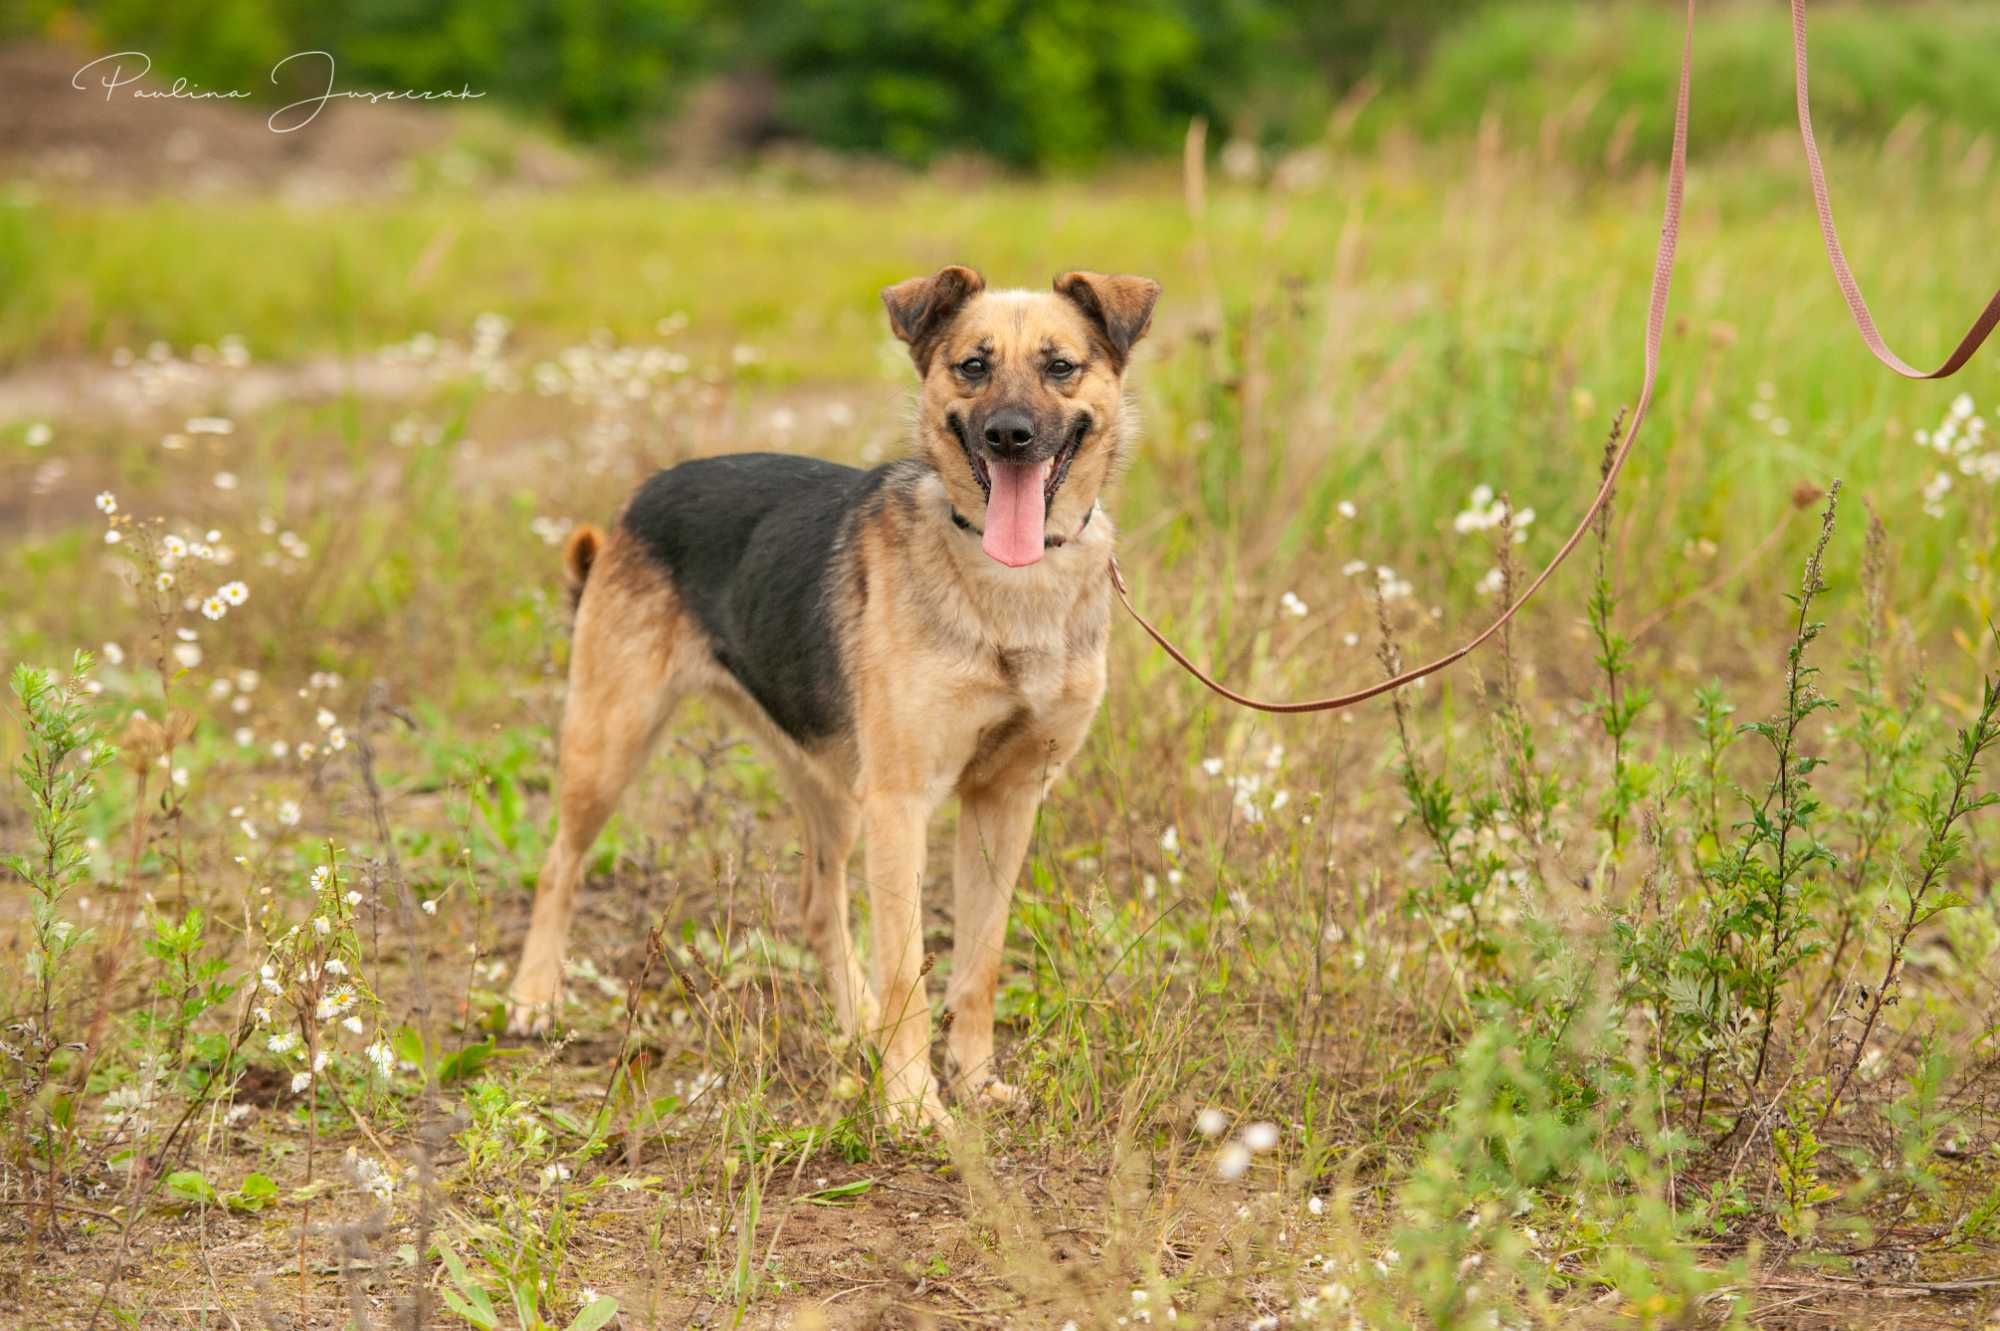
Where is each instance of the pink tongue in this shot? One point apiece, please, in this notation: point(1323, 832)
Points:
point(1015, 511)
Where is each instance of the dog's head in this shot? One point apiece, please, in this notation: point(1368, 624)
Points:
point(1023, 395)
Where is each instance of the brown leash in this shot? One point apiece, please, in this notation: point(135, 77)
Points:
point(1849, 289)
point(1656, 323)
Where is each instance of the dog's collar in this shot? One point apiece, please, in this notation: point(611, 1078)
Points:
point(1048, 542)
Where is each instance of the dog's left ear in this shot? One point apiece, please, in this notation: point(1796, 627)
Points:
point(921, 308)
point(1121, 306)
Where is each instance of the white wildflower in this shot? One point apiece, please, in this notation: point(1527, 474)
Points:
point(371, 1175)
point(107, 503)
point(1934, 493)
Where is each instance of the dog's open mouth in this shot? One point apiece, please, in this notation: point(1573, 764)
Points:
point(1019, 495)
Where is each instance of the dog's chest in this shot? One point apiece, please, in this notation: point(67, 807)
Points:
point(1028, 653)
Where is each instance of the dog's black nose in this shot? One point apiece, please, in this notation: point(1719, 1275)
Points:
point(1009, 430)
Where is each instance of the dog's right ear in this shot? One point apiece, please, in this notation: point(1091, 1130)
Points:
point(922, 308)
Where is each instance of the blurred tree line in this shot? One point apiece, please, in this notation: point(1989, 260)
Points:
point(1033, 82)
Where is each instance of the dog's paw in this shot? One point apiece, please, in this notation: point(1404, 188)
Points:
point(999, 1093)
point(531, 1016)
point(986, 1092)
point(916, 1107)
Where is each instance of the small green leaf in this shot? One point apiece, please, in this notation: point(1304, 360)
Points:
point(482, 1317)
point(409, 1045)
point(465, 1063)
point(467, 1298)
point(187, 1185)
point(257, 1192)
point(840, 1193)
point(596, 1315)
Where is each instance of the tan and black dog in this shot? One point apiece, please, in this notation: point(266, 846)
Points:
point(933, 627)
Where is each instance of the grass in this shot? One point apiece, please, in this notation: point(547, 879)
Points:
point(1589, 77)
point(1547, 995)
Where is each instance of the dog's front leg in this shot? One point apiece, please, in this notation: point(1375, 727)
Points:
point(994, 826)
point(893, 827)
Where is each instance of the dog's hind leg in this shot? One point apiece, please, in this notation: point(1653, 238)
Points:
point(621, 688)
point(828, 825)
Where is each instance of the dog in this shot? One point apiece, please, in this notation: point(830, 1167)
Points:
point(892, 637)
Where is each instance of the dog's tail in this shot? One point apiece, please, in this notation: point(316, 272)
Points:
point(579, 553)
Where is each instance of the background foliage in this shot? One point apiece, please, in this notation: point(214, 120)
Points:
point(1064, 83)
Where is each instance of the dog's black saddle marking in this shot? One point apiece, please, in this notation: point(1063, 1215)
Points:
point(750, 540)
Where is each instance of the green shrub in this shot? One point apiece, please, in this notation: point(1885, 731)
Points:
point(1033, 83)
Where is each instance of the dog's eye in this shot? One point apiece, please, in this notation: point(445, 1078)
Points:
point(973, 367)
point(1061, 369)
